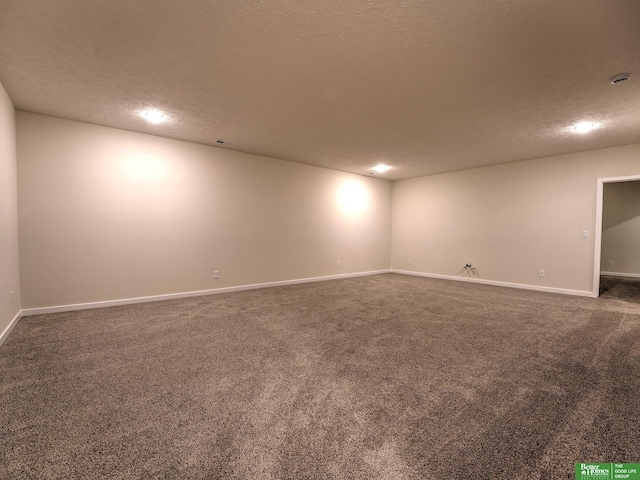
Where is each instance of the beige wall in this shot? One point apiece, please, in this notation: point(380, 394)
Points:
point(510, 221)
point(9, 271)
point(107, 214)
point(621, 228)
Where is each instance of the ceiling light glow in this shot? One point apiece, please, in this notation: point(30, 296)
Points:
point(154, 115)
point(585, 127)
point(381, 168)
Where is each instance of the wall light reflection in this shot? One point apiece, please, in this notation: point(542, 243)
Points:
point(144, 167)
point(353, 198)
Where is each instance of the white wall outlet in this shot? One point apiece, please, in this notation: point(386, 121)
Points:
point(611, 263)
point(338, 264)
point(216, 274)
point(541, 273)
point(11, 295)
point(585, 233)
point(410, 262)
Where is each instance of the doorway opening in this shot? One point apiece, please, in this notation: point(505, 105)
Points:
point(599, 225)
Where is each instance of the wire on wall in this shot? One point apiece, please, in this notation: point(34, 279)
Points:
point(470, 270)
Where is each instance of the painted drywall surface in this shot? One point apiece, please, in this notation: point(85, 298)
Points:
point(107, 214)
point(9, 276)
point(509, 221)
point(621, 228)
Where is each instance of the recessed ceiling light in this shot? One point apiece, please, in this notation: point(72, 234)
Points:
point(154, 115)
point(381, 168)
point(585, 127)
point(620, 78)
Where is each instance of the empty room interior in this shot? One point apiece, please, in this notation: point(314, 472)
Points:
point(348, 240)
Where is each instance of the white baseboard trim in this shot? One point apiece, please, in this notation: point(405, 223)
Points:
point(12, 324)
point(155, 298)
point(523, 286)
point(619, 274)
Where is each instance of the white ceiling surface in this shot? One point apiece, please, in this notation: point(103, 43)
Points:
point(424, 86)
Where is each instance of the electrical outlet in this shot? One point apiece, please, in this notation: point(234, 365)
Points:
point(611, 263)
point(338, 264)
point(541, 273)
point(585, 233)
point(11, 295)
point(410, 262)
point(216, 274)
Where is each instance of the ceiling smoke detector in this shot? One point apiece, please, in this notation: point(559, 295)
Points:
point(620, 78)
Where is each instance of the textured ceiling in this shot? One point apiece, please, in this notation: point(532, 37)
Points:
point(425, 86)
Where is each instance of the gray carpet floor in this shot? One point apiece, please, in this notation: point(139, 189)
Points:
point(380, 377)
point(620, 287)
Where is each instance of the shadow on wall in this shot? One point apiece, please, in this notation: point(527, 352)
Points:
point(621, 203)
